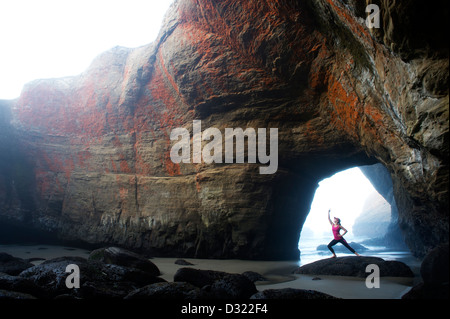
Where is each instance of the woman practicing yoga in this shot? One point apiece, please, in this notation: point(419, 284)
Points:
point(338, 238)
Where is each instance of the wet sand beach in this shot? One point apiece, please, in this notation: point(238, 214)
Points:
point(278, 273)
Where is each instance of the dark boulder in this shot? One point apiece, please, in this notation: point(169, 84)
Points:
point(19, 284)
point(428, 291)
point(435, 275)
point(168, 290)
point(13, 265)
point(218, 284)
point(5, 294)
point(51, 275)
point(435, 266)
point(97, 279)
point(355, 266)
point(291, 293)
point(183, 262)
point(232, 286)
point(254, 276)
point(123, 257)
point(198, 277)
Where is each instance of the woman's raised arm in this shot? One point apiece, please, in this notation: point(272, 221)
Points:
point(329, 219)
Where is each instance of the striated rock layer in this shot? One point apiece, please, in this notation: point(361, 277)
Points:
point(87, 158)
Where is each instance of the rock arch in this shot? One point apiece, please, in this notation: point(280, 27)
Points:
point(340, 94)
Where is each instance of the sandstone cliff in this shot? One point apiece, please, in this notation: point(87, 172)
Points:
point(87, 157)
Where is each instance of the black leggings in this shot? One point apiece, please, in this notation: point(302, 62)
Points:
point(342, 241)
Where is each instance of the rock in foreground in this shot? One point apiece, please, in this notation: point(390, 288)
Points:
point(168, 290)
point(97, 279)
point(197, 277)
point(123, 257)
point(355, 266)
point(12, 265)
point(218, 284)
point(108, 273)
point(435, 274)
point(113, 273)
point(291, 293)
point(5, 294)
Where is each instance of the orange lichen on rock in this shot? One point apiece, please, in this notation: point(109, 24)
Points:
point(346, 17)
point(97, 146)
point(346, 115)
point(173, 169)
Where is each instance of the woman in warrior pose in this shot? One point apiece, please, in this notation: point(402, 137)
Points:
point(338, 238)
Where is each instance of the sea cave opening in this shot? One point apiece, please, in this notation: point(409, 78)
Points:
point(362, 197)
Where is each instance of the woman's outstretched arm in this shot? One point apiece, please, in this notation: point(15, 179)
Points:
point(329, 219)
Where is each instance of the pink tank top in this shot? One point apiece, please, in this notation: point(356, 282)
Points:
point(336, 229)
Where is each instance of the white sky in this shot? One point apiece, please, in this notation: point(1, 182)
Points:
point(55, 38)
point(344, 193)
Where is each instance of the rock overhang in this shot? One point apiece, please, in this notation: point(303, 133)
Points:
point(95, 149)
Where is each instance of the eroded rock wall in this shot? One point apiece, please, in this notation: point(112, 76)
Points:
point(96, 147)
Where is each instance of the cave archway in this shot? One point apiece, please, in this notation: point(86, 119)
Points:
point(368, 212)
point(294, 195)
point(325, 88)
